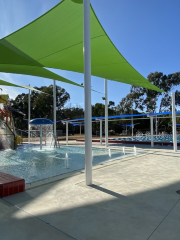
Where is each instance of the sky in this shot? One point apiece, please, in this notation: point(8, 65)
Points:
point(145, 32)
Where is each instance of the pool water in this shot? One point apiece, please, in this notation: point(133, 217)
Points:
point(161, 138)
point(33, 164)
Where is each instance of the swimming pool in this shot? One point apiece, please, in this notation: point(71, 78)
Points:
point(33, 164)
point(164, 139)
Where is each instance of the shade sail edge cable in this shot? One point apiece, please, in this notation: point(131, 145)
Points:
point(35, 71)
point(8, 84)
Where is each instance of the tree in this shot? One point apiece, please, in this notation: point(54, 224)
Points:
point(98, 110)
point(111, 104)
point(149, 101)
point(70, 113)
point(41, 104)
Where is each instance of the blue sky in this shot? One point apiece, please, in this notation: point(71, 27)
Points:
point(145, 32)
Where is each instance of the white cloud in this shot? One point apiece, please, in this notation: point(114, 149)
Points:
point(11, 91)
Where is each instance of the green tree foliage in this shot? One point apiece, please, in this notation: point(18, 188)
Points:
point(41, 104)
point(71, 113)
point(149, 101)
point(98, 110)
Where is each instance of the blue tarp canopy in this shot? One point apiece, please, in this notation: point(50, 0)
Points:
point(110, 117)
point(77, 124)
point(177, 125)
point(128, 125)
point(123, 116)
point(40, 121)
point(163, 113)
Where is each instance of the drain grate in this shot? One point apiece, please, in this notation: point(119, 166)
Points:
point(178, 192)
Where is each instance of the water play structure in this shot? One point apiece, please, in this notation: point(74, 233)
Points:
point(8, 137)
point(41, 125)
point(33, 164)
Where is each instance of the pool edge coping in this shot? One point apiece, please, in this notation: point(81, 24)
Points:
point(57, 178)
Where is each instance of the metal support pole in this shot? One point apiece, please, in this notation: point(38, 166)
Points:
point(174, 122)
point(152, 142)
point(80, 129)
point(156, 126)
point(66, 133)
point(100, 121)
point(132, 126)
point(87, 92)
point(132, 122)
point(40, 137)
point(54, 104)
point(29, 114)
point(106, 112)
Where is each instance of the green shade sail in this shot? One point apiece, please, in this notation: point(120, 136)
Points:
point(34, 71)
point(55, 40)
point(5, 83)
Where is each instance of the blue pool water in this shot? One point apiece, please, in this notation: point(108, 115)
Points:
point(161, 138)
point(33, 164)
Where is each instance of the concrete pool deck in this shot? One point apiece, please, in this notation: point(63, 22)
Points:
point(131, 199)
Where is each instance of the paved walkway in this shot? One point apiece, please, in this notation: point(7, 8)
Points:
point(131, 199)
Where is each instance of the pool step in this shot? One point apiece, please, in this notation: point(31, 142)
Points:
point(10, 185)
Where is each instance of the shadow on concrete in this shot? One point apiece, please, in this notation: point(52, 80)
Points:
point(117, 195)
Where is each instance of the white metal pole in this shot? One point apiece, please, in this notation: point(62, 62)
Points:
point(106, 112)
point(66, 132)
point(132, 127)
point(100, 121)
point(40, 137)
point(132, 122)
point(54, 104)
point(174, 122)
point(29, 114)
point(156, 126)
point(87, 93)
point(152, 142)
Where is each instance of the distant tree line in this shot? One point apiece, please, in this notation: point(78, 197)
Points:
point(139, 100)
